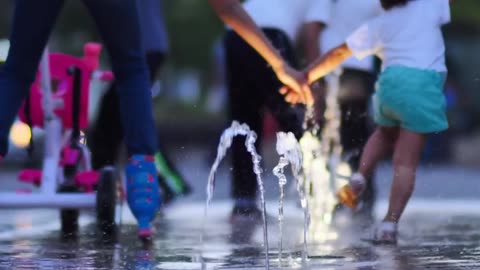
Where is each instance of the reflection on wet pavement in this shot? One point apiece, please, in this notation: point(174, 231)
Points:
point(428, 240)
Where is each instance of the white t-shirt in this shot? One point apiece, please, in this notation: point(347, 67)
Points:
point(285, 15)
point(408, 36)
point(341, 18)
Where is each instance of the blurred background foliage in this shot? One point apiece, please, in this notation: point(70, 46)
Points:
point(192, 27)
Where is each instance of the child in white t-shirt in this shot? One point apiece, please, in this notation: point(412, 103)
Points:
point(409, 101)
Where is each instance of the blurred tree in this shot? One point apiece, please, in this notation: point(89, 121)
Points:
point(466, 11)
point(193, 28)
point(72, 30)
point(5, 17)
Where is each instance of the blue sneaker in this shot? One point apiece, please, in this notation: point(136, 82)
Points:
point(143, 194)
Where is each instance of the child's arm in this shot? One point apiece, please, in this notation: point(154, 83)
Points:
point(232, 13)
point(327, 63)
point(319, 68)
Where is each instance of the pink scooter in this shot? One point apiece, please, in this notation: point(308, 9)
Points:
point(66, 180)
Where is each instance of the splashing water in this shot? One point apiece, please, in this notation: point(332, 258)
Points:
point(278, 171)
point(290, 153)
point(237, 129)
point(322, 157)
point(332, 146)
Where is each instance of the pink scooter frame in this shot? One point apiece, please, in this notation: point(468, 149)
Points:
point(51, 177)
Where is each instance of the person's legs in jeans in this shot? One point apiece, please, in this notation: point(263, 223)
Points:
point(118, 24)
point(106, 136)
point(170, 178)
point(31, 27)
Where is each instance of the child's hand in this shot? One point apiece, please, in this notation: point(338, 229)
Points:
point(296, 89)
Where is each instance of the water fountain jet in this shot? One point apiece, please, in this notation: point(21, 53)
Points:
point(237, 129)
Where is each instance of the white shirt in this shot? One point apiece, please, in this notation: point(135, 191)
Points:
point(285, 15)
point(341, 18)
point(408, 36)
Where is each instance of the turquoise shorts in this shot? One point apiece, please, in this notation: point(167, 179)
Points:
point(410, 98)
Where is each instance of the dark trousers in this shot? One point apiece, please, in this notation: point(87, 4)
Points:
point(117, 22)
point(252, 88)
point(106, 135)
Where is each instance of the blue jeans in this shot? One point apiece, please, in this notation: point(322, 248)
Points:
point(117, 22)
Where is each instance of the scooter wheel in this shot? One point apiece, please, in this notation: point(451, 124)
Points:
point(69, 216)
point(106, 200)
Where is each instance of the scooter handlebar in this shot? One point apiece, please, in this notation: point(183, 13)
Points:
point(106, 76)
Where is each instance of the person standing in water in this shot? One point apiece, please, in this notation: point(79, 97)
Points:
point(106, 136)
point(409, 102)
point(329, 24)
point(253, 88)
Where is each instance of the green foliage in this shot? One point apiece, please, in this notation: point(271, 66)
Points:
point(193, 27)
point(467, 11)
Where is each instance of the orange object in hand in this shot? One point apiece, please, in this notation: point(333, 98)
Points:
point(347, 197)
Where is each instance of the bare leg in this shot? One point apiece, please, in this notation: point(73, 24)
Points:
point(406, 157)
point(379, 145)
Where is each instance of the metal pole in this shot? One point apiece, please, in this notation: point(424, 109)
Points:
point(53, 130)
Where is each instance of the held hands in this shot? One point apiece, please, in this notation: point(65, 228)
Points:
point(318, 69)
point(296, 89)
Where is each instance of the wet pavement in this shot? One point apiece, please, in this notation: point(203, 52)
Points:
point(441, 230)
point(448, 239)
